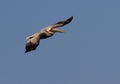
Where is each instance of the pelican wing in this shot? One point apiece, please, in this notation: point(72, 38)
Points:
point(30, 46)
point(29, 37)
point(32, 42)
point(58, 24)
point(62, 23)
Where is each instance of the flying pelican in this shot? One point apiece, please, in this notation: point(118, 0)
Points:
point(33, 40)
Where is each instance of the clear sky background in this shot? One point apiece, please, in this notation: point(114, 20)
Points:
point(87, 53)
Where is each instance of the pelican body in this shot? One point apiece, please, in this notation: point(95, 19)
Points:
point(34, 40)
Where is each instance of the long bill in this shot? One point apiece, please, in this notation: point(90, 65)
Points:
point(57, 30)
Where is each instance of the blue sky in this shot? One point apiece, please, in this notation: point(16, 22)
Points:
point(87, 53)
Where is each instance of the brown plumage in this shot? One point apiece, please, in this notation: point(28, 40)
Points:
point(33, 40)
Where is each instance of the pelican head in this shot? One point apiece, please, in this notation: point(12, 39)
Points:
point(54, 30)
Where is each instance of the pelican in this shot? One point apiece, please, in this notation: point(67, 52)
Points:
point(34, 40)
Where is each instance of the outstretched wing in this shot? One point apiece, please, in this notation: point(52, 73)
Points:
point(58, 24)
point(30, 46)
point(29, 37)
point(32, 42)
point(62, 23)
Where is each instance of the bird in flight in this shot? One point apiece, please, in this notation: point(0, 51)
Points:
point(34, 40)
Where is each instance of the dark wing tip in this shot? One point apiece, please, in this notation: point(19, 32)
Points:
point(65, 21)
point(25, 51)
point(69, 20)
